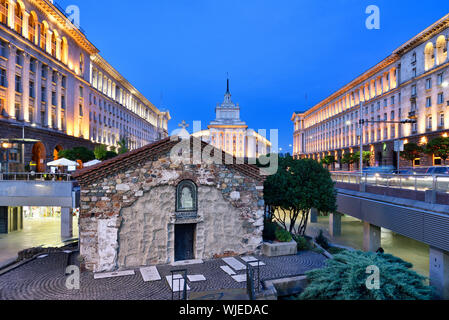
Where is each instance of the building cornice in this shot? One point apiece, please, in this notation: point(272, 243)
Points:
point(56, 16)
point(424, 35)
point(103, 64)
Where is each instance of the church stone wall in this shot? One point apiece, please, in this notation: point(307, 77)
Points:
point(128, 219)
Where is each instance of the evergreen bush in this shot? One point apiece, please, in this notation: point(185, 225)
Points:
point(345, 278)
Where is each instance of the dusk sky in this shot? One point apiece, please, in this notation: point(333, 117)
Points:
point(277, 53)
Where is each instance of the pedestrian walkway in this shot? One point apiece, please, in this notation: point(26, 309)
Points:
point(45, 279)
point(44, 232)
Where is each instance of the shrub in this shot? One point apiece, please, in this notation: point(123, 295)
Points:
point(322, 240)
point(303, 243)
point(269, 231)
point(283, 235)
point(345, 278)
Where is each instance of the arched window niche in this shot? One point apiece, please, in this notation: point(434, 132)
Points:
point(186, 196)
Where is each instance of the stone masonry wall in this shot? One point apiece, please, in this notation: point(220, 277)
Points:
point(128, 219)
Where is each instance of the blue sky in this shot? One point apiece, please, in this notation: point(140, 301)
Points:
point(277, 52)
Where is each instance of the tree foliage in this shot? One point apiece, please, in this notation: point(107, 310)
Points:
point(439, 147)
point(77, 153)
point(100, 152)
point(123, 146)
point(296, 188)
point(411, 151)
point(345, 278)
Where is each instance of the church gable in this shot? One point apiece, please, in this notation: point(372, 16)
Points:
point(135, 210)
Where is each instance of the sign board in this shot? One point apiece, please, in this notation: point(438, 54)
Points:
point(399, 145)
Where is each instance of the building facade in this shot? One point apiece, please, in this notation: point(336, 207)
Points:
point(229, 133)
point(412, 80)
point(50, 88)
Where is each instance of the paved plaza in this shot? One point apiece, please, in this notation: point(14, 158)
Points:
point(44, 279)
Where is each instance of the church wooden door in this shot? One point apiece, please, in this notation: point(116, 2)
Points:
point(184, 234)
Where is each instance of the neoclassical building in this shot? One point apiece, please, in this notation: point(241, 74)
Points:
point(51, 91)
point(413, 80)
point(229, 133)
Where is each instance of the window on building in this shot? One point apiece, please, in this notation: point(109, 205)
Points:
point(441, 98)
point(43, 94)
point(81, 110)
point(19, 58)
point(54, 76)
point(53, 98)
point(428, 102)
point(4, 4)
point(32, 91)
point(442, 119)
point(3, 78)
point(31, 113)
point(81, 92)
point(429, 122)
point(18, 83)
point(63, 105)
point(428, 83)
point(414, 57)
point(18, 19)
point(414, 91)
point(392, 100)
point(44, 71)
point(440, 79)
point(17, 110)
point(414, 72)
point(64, 82)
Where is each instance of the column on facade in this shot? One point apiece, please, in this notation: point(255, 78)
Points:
point(48, 105)
point(25, 20)
point(58, 101)
point(48, 44)
point(37, 98)
point(11, 13)
point(24, 111)
point(11, 75)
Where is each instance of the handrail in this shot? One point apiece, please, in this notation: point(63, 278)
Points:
point(417, 182)
point(31, 176)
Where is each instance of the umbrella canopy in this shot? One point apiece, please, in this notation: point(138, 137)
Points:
point(91, 163)
point(62, 163)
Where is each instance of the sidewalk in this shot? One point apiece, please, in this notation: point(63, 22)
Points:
point(36, 232)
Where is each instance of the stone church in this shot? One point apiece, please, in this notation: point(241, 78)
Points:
point(143, 208)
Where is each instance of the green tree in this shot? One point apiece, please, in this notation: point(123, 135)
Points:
point(348, 158)
point(345, 278)
point(439, 147)
point(328, 160)
point(411, 152)
point(366, 157)
point(123, 146)
point(296, 188)
point(77, 153)
point(100, 152)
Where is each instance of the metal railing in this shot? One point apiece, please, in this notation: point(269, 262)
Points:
point(31, 176)
point(417, 182)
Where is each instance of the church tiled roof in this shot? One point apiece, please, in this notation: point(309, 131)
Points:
point(149, 152)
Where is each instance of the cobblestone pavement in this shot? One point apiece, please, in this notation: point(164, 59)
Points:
point(44, 279)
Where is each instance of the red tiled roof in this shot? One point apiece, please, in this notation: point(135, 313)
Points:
point(146, 153)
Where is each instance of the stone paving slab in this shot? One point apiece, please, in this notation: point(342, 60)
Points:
point(106, 275)
point(228, 270)
point(45, 279)
point(196, 278)
point(234, 264)
point(248, 258)
point(239, 277)
point(150, 274)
